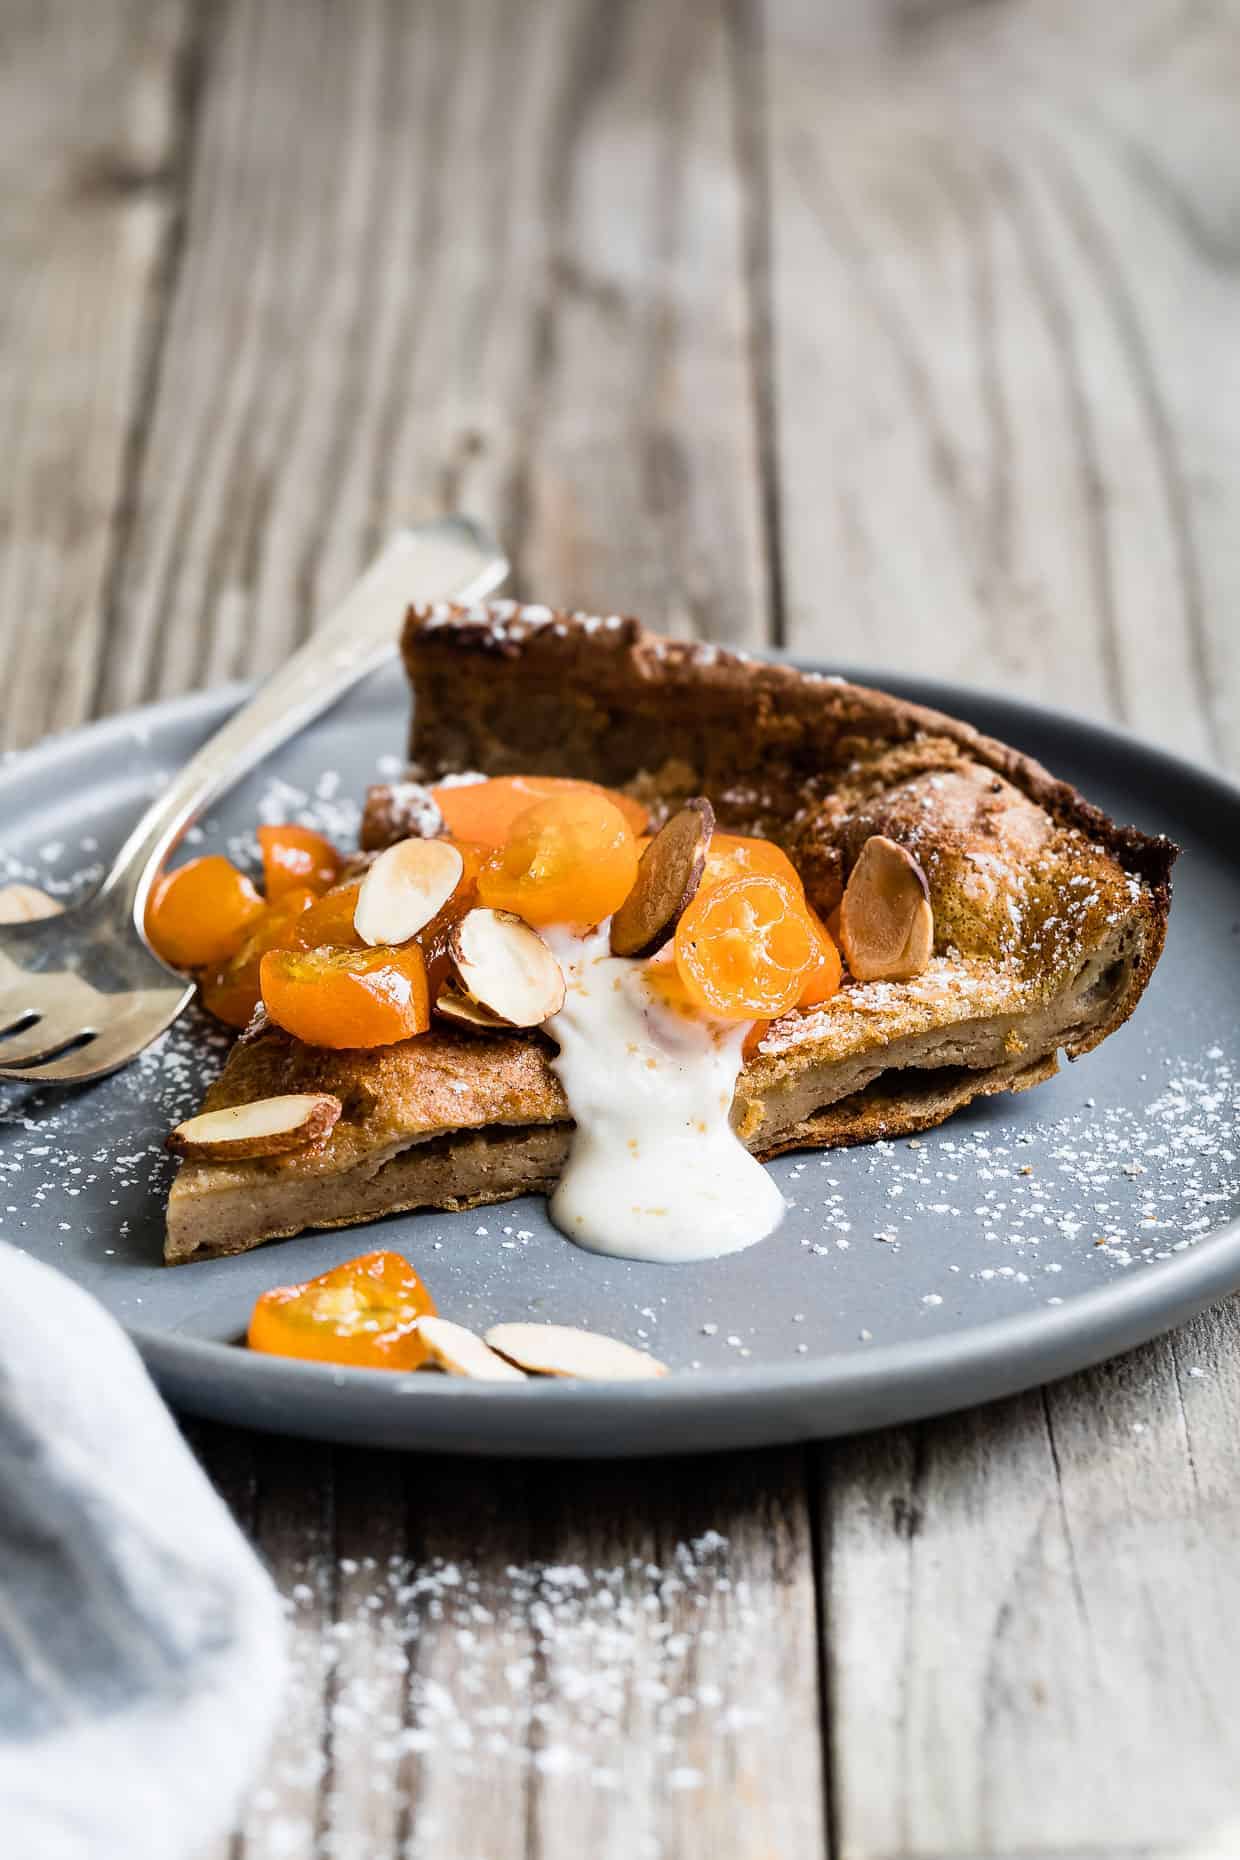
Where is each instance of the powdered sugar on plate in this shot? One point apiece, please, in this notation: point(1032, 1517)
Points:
point(1028, 1211)
point(50, 1155)
point(1019, 1204)
point(1059, 1204)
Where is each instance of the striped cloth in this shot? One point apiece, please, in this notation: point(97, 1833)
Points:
point(141, 1643)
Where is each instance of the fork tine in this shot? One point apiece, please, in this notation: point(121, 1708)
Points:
point(112, 1046)
point(41, 1042)
point(16, 1004)
point(93, 1061)
point(53, 1074)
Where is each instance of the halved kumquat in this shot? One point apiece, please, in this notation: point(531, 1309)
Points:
point(735, 855)
point(347, 997)
point(294, 857)
point(230, 990)
point(571, 859)
point(201, 913)
point(485, 811)
point(743, 948)
point(825, 974)
point(328, 923)
point(363, 1315)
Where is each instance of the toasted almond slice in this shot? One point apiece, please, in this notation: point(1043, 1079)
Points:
point(886, 920)
point(23, 904)
point(453, 1004)
point(460, 1353)
point(669, 874)
point(507, 968)
point(265, 1127)
point(558, 1350)
point(407, 885)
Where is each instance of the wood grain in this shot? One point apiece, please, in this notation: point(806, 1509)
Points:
point(639, 486)
point(1014, 1597)
point(91, 128)
point(1004, 254)
point(903, 331)
point(1005, 279)
point(501, 268)
point(504, 1660)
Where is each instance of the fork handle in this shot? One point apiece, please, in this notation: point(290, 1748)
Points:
point(453, 559)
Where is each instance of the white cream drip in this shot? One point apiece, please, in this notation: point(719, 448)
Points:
point(655, 1171)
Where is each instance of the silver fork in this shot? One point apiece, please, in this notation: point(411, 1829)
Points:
point(82, 993)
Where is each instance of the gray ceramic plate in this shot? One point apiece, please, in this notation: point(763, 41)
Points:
point(1029, 1237)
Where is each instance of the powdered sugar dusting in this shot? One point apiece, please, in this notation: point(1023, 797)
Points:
point(325, 808)
point(951, 988)
point(1113, 1187)
point(413, 810)
point(50, 1155)
point(506, 620)
point(1024, 1210)
point(66, 886)
point(514, 1677)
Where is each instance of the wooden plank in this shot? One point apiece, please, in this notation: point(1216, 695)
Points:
point(1004, 269)
point(231, 1460)
point(678, 1679)
point(90, 140)
point(501, 267)
point(1004, 286)
point(293, 1522)
point(505, 267)
point(506, 1661)
point(640, 486)
point(1032, 1614)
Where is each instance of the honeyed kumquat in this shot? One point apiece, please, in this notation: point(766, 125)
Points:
point(474, 856)
point(743, 948)
point(571, 859)
point(230, 991)
point(663, 980)
point(733, 855)
point(434, 937)
point(485, 811)
point(328, 924)
point(363, 1314)
point(200, 914)
point(754, 1039)
point(825, 974)
point(294, 857)
point(347, 997)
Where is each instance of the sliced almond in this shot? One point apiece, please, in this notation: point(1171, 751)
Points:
point(266, 1127)
point(886, 920)
point(453, 1004)
point(669, 874)
point(507, 968)
point(24, 904)
point(460, 1353)
point(407, 885)
point(558, 1350)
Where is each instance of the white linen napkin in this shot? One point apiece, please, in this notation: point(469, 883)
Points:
point(141, 1642)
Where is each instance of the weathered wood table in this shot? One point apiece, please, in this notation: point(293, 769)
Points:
point(906, 332)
